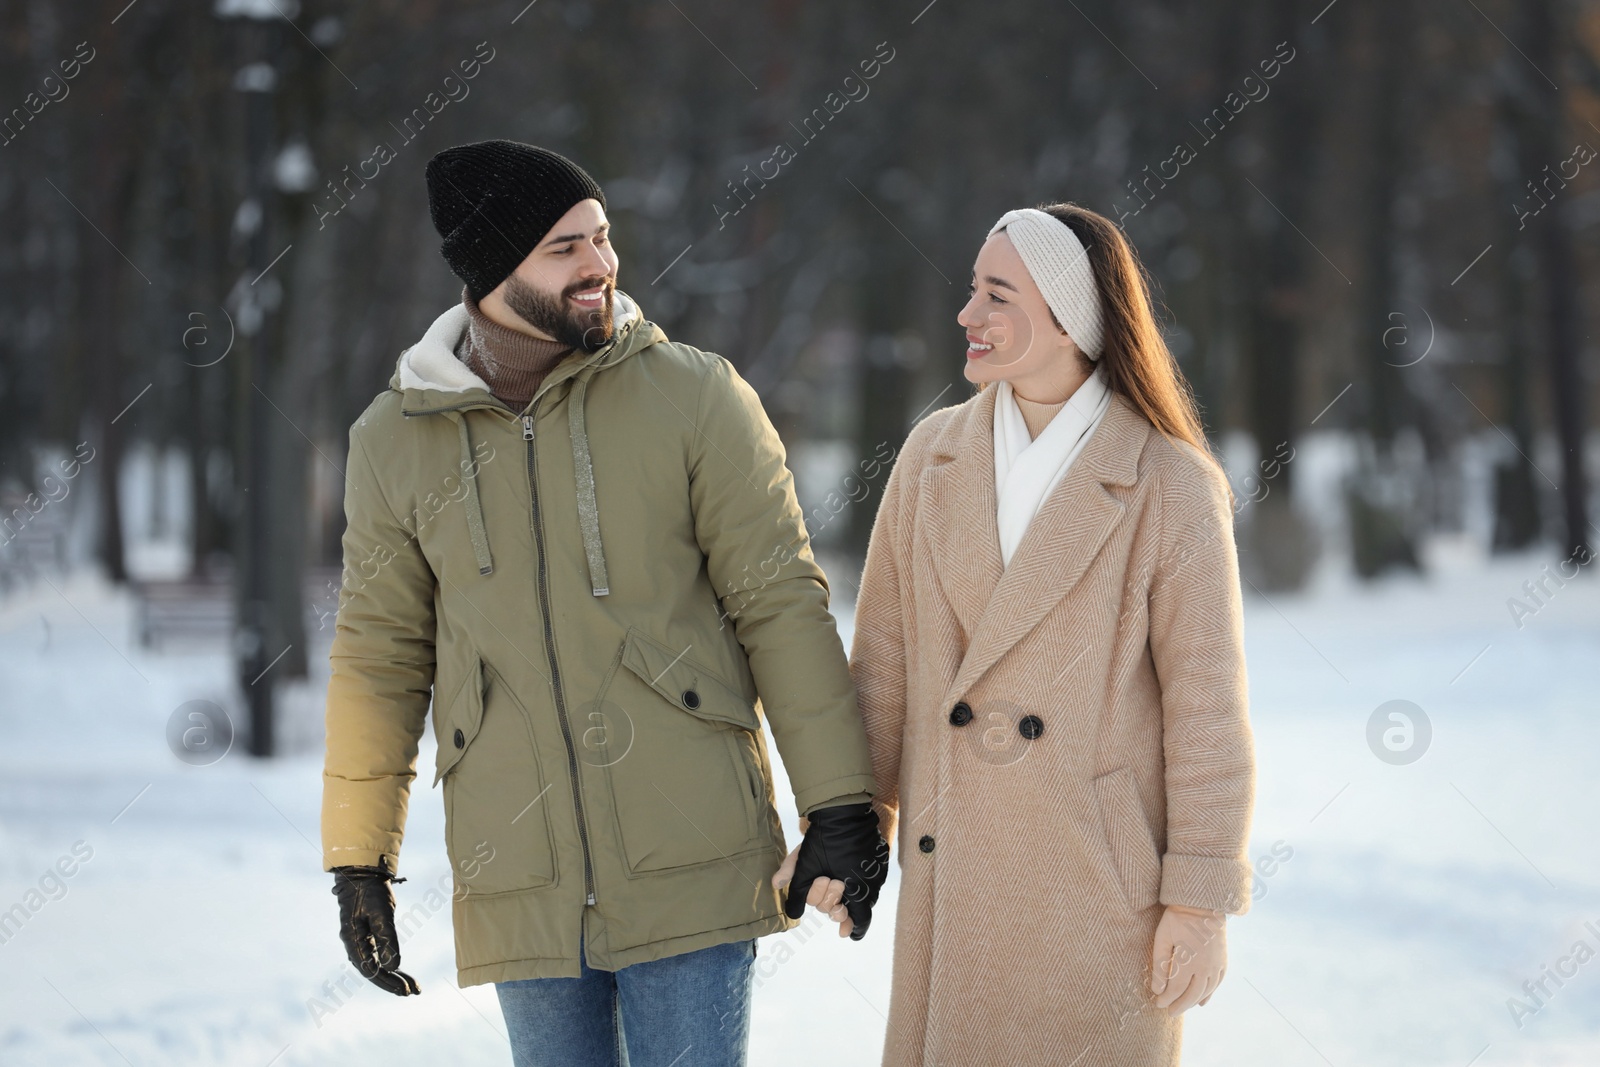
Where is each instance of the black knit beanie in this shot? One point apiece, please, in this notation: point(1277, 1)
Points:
point(493, 201)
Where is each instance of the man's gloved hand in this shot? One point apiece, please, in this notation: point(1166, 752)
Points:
point(366, 926)
point(842, 843)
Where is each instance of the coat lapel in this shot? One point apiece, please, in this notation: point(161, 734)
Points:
point(958, 511)
point(998, 605)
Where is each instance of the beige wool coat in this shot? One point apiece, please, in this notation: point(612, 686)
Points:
point(1061, 745)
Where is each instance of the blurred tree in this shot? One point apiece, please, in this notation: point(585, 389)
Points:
point(1516, 495)
point(835, 289)
point(1544, 26)
point(1383, 490)
point(1276, 292)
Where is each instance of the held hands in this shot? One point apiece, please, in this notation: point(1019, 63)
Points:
point(841, 863)
point(366, 926)
point(1189, 957)
point(826, 893)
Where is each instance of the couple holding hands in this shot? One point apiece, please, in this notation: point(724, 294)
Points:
point(579, 543)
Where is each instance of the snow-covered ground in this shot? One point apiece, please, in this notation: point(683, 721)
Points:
point(197, 926)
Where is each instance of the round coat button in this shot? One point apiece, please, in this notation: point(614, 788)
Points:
point(1030, 726)
point(961, 714)
point(925, 843)
point(461, 739)
point(691, 699)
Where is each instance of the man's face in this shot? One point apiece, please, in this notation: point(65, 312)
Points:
point(564, 288)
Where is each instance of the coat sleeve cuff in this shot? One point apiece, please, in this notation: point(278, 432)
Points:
point(1205, 882)
point(340, 856)
point(852, 798)
point(849, 798)
point(822, 795)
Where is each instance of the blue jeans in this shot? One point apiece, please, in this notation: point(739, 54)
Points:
point(689, 1010)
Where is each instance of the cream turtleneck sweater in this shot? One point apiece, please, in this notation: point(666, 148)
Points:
point(1036, 416)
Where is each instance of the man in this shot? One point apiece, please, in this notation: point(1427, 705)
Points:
point(581, 542)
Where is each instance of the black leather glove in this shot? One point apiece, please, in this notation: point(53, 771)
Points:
point(842, 842)
point(366, 926)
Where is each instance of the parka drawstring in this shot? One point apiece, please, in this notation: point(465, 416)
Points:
point(474, 503)
point(583, 478)
point(583, 475)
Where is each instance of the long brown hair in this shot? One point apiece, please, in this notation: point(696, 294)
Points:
point(1139, 366)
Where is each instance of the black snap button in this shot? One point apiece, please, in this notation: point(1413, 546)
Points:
point(961, 714)
point(461, 739)
point(1031, 726)
point(925, 843)
point(691, 699)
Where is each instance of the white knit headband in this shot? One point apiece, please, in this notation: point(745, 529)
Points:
point(1060, 268)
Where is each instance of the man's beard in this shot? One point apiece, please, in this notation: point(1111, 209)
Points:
point(560, 318)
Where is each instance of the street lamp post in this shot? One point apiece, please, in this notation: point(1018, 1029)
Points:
point(255, 298)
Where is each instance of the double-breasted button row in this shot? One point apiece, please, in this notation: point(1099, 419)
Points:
point(1029, 726)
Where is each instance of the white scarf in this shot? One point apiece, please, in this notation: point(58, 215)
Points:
point(1026, 470)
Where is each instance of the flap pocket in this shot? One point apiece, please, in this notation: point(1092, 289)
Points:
point(685, 683)
point(461, 720)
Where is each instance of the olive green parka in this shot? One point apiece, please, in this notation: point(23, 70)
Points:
point(605, 598)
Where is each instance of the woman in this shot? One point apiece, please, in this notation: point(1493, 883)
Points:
point(1049, 658)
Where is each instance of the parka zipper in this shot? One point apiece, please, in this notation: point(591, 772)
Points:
point(550, 653)
point(544, 595)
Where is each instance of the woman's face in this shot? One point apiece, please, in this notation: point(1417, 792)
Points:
point(1010, 334)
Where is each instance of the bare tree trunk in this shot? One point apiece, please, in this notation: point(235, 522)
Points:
point(885, 385)
point(1381, 497)
point(1560, 282)
point(1282, 543)
point(207, 535)
point(259, 641)
point(285, 435)
point(1517, 520)
point(103, 306)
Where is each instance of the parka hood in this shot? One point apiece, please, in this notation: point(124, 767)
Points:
point(431, 365)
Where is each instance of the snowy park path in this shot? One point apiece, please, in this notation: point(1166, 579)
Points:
point(1405, 909)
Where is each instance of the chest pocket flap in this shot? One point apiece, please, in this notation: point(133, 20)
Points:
point(685, 683)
